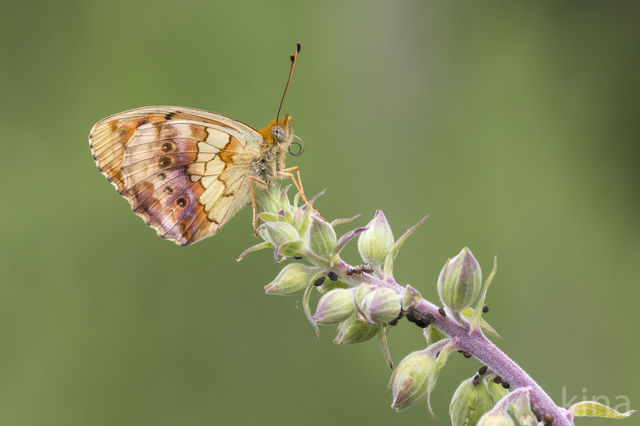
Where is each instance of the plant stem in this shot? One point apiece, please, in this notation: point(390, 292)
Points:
point(474, 343)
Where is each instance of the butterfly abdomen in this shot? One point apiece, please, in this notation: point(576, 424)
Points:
point(265, 168)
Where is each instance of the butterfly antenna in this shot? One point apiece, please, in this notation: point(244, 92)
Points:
point(294, 60)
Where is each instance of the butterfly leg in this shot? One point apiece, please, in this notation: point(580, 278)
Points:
point(254, 205)
point(298, 185)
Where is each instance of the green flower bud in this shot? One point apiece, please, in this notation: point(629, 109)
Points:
point(291, 249)
point(269, 217)
point(361, 292)
point(321, 238)
point(496, 419)
point(353, 331)
point(335, 306)
point(473, 398)
point(276, 200)
point(409, 379)
point(292, 279)
point(460, 281)
point(381, 306)
point(301, 219)
point(377, 241)
point(278, 233)
point(329, 285)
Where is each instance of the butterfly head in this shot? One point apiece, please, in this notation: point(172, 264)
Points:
point(279, 132)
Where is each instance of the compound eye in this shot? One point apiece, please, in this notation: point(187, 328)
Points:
point(278, 133)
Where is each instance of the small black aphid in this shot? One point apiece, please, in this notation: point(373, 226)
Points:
point(319, 281)
point(398, 318)
point(367, 268)
point(422, 323)
point(411, 316)
point(332, 276)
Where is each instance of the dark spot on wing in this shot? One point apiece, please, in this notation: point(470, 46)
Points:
point(164, 162)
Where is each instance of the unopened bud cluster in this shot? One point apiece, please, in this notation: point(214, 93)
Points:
point(297, 231)
point(363, 304)
point(360, 309)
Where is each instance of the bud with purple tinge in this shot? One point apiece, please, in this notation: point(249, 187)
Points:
point(473, 398)
point(284, 236)
point(460, 281)
point(321, 238)
point(352, 331)
point(376, 242)
point(381, 306)
point(292, 279)
point(335, 306)
point(409, 379)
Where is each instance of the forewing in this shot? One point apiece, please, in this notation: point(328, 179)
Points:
point(184, 171)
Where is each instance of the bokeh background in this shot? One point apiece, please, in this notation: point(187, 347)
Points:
point(513, 124)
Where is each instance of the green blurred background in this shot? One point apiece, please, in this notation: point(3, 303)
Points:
point(513, 124)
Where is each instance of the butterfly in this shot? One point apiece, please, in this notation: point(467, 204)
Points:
point(186, 172)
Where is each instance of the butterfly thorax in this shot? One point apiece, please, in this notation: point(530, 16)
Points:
point(277, 137)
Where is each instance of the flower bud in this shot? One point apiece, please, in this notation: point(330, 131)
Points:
point(292, 279)
point(301, 219)
point(329, 285)
point(321, 238)
point(409, 379)
point(473, 398)
point(460, 281)
point(278, 233)
point(361, 292)
point(269, 217)
point(276, 200)
point(381, 306)
point(377, 241)
point(353, 331)
point(335, 306)
point(496, 419)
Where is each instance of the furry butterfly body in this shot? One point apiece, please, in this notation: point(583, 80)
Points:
point(186, 171)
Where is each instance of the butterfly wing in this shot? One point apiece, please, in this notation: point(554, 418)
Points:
point(184, 171)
